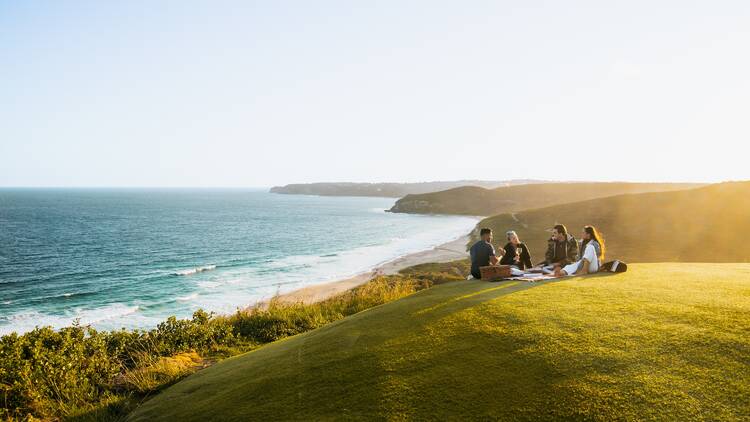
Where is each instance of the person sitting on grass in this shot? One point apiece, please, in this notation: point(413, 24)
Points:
point(592, 252)
point(482, 253)
point(562, 248)
point(516, 253)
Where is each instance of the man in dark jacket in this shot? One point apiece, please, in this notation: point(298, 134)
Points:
point(562, 248)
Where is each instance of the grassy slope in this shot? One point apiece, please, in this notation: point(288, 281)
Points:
point(659, 342)
point(471, 200)
point(709, 224)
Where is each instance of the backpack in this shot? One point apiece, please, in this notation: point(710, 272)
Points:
point(614, 267)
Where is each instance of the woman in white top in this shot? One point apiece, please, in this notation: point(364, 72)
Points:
point(592, 254)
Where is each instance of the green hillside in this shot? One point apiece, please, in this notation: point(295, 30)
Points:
point(661, 342)
point(708, 224)
point(472, 200)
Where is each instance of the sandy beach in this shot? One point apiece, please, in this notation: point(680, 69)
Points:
point(450, 251)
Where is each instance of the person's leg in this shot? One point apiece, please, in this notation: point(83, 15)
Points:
point(569, 269)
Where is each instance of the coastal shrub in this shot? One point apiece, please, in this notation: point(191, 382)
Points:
point(46, 372)
point(81, 373)
point(278, 319)
point(441, 272)
point(155, 372)
point(179, 335)
point(49, 372)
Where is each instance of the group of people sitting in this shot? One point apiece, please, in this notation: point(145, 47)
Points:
point(563, 256)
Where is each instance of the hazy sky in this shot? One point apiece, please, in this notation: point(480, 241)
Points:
point(157, 93)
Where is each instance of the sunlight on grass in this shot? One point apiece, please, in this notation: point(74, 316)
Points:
point(158, 371)
point(663, 341)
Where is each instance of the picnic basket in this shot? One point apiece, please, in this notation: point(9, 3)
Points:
point(495, 272)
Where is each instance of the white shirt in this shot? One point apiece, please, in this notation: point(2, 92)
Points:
point(589, 254)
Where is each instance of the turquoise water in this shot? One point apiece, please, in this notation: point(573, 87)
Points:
point(130, 258)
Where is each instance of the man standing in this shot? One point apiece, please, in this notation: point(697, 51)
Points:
point(562, 248)
point(482, 253)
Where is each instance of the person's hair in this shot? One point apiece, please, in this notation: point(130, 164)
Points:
point(561, 229)
point(595, 235)
point(511, 233)
point(484, 231)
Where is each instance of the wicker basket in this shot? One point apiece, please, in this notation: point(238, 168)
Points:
point(495, 272)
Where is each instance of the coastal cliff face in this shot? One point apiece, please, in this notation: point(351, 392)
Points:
point(388, 190)
point(472, 200)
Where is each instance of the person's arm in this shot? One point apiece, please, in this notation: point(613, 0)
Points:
point(584, 269)
point(506, 259)
point(526, 257)
point(589, 255)
point(493, 255)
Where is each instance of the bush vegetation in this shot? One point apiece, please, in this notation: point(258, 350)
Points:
point(80, 373)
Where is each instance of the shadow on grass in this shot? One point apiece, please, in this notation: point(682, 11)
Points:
point(483, 291)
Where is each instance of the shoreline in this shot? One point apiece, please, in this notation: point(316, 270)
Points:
point(449, 251)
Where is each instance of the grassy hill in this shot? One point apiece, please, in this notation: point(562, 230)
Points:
point(389, 190)
point(661, 342)
point(472, 200)
point(708, 224)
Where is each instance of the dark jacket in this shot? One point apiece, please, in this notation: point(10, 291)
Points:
point(569, 252)
point(510, 256)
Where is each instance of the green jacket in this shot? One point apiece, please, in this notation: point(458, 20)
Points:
point(571, 252)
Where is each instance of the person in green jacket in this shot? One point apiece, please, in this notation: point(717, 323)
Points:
point(562, 248)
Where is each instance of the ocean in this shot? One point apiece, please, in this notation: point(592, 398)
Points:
point(115, 258)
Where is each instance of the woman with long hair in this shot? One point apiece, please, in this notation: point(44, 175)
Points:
point(592, 254)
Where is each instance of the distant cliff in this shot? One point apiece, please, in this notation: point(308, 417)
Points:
point(389, 190)
point(470, 200)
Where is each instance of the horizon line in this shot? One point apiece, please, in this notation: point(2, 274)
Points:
point(308, 183)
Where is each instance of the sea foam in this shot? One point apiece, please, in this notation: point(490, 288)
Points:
point(27, 321)
point(195, 270)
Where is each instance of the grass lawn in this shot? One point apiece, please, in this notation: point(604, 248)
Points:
point(661, 342)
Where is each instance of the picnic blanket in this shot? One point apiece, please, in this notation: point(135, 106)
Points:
point(531, 277)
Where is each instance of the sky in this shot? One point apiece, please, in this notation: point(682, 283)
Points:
point(255, 94)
